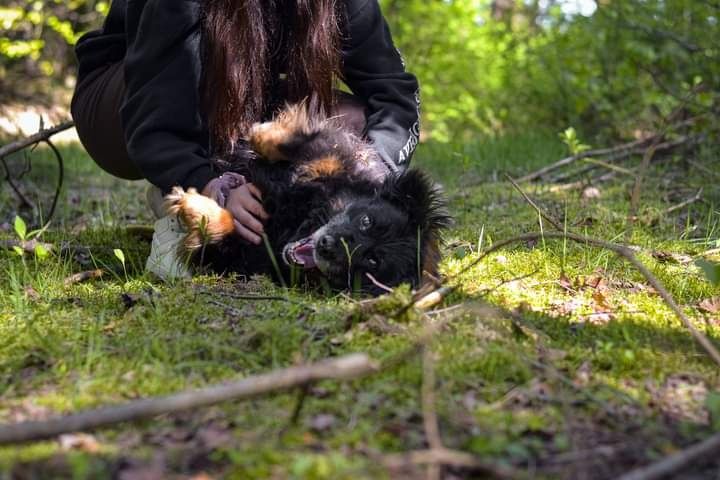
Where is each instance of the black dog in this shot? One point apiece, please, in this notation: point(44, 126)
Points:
point(328, 218)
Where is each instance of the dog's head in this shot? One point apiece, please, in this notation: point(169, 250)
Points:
point(381, 240)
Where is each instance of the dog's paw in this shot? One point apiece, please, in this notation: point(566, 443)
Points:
point(274, 140)
point(206, 222)
point(327, 166)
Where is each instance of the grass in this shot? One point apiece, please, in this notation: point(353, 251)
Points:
point(598, 363)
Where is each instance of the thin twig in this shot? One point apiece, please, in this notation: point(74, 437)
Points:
point(540, 212)
point(33, 139)
point(637, 188)
point(430, 420)
point(685, 203)
point(452, 458)
point(588, 153)
point(8, 177)
point(703, 168)
point(342, 368)
point(674, 463)
point(616, 153)
point(61, 177)
point(28, 246)
point(82, 277)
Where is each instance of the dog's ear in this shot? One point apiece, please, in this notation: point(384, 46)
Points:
point(415, 193)
point(423, 200)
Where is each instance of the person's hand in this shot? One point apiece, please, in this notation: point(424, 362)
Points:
point(242, 199)
point(244, 204)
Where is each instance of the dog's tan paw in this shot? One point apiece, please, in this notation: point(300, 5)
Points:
point(327, 166)
point(204, 219)
point(268, 138)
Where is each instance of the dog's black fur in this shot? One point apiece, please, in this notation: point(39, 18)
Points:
point(327, 213)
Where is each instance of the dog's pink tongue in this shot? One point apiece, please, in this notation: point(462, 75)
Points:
point(304, 254)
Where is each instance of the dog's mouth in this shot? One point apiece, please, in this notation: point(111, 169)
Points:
point(301, 253)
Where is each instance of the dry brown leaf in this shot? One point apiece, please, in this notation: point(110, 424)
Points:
point(79, 441)
point(710, 305)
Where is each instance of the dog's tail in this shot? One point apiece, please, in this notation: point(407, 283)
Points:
point(206, 222)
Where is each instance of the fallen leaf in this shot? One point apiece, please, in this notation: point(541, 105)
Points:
point(31, 293)
point(669, 257)
point(322, 422)
point(82, 277)
point(79, 441)
point(565, 283)
point(590, 193)
point(214, 436)
point(710, 305)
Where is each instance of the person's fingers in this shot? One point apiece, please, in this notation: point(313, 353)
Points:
point(247, 234)
point(254, 190)
point(246, 219)
point(253, 206)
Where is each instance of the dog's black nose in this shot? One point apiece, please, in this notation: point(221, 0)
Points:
point(327, 242)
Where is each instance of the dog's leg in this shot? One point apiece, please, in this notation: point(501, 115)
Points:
point(275, 139)
point(207, 223)
point(327, 166)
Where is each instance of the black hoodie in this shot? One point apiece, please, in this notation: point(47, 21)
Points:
point(165, 131)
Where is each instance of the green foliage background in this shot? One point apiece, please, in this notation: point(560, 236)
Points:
point(486, 67)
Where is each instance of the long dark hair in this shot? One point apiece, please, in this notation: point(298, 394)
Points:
point(237, 40)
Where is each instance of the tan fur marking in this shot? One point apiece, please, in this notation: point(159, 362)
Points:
point(204, 219)
point(431, 258)
point(266, 138)
point(322, 167)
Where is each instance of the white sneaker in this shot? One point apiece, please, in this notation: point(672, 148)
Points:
point(155, 201)
point(163, 260)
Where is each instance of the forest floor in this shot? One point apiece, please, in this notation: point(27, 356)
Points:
point(579, 371)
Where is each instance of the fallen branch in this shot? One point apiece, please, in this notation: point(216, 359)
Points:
point(41, 136)
point(430, 420)
point(38, 137)
point(342, 368)
point(529, 200)
point(83, 277)
point(674, 463)
point(28, 246)
point(453, 458)
point(616, 153)
point(685, 203)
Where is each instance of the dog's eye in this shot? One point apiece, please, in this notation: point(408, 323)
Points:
point(365, 222)
point(373, 262)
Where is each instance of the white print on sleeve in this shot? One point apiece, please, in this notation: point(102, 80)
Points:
point(414, 139)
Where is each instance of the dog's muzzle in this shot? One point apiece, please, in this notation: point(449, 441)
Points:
point(300, 253)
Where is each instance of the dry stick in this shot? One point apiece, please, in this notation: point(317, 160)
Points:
point(685, 203)
point(8, 177)
point(637, 188)
point(453, 458)
point(342, 368)
point(703, 168)
point(82, 277)
point(540, 212)
point(585, 154)
point(40, 136)
point(618, 153)
point(669, 145)
point(28, 246)
point(430, 420)
point(676, 462)
point(436, 296)
point(581, 183)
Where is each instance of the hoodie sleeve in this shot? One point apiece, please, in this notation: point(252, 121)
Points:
point(165, 133)
point(375, 71)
